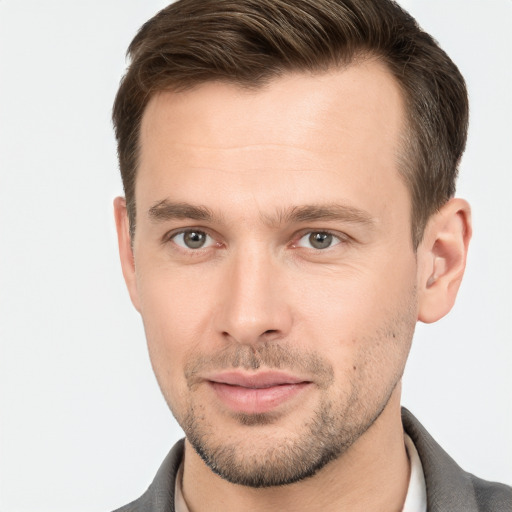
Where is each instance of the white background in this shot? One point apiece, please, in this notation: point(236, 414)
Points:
point(82, 424)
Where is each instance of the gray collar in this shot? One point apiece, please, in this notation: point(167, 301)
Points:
point(449, 488)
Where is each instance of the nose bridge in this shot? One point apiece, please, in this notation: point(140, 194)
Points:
point(254, 305)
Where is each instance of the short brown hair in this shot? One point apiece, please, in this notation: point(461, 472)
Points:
point(249, 42)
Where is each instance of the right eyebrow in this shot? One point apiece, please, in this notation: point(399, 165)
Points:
point(165, 210)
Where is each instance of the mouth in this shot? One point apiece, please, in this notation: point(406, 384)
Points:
point(256, 393)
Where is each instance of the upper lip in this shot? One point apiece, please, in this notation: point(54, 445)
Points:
point(262, 379)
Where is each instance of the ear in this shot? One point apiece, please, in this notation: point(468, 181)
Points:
point(125, 249)
point(442, 259)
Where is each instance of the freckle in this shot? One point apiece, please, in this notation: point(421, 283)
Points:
point(353, 367)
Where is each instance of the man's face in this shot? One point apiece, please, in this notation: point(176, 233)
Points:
point(274, 269)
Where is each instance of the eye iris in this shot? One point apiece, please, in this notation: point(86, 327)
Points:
point(320, 240)
point(194, 239)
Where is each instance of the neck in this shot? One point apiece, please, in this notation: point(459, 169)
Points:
point(373, 474)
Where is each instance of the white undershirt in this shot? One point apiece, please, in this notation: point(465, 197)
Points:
point(179, 501)
point(415, 501)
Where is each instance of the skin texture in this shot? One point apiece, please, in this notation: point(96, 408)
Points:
point(254, 174)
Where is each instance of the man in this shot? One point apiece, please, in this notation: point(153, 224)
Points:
point(289, 169)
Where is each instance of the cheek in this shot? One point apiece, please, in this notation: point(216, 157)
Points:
point(175, 317)
point(363, 318)
point(354, 304)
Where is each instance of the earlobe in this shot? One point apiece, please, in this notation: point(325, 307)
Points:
point(442, 259)
point(126, 249)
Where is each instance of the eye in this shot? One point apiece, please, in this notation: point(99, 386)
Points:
point(192, 239)
point(318, 240)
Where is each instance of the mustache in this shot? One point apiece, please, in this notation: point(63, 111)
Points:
point(272, 356)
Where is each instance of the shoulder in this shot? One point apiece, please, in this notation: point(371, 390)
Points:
point(448, 486)
point(159, 496)
point(491, 496)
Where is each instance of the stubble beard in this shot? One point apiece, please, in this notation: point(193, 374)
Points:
point(263, 460)
point(286, 461)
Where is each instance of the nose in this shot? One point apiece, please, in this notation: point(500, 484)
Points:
point(254, 301)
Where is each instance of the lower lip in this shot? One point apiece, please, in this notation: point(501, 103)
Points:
point(256, 400)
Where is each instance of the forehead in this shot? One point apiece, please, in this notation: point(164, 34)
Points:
point(300, 131)
point(358, 94)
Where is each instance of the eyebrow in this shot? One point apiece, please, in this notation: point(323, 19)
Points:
point(327, 212)
point(166, 210)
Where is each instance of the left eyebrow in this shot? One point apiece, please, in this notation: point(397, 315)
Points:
point(328, 212)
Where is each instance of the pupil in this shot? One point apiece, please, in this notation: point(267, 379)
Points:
point(194, 239)
point(320, 240)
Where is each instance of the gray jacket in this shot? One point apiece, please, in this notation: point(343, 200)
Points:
point(449, 488)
